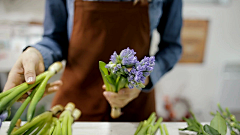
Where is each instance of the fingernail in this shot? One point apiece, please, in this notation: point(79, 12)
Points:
point(55, 87)
point(30, 79)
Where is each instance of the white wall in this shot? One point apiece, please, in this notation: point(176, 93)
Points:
point(31, 10)
point(201, 83)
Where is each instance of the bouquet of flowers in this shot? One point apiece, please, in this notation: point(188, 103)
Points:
point(124, 70)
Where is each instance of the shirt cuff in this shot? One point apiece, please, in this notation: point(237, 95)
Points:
point(46, 54)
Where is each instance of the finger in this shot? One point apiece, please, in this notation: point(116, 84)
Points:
point(123, 91)
point(124, 94)
point(56, 83)
point(15, 78)
point(104, 87)
point(128, 94)
point(113, 101)
point(109, 94)
point(51, 90)
point(116, 103)
point(53, 87)
point(29, 71)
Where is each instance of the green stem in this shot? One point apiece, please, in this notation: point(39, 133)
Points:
point(37, 97)
point(151, 117)
point(149, 130)
point(228, 112)
point(5, 93)
point(18, 92)
point(39, 118)
point(58, 127)
point(53, 126)
point(212, 113)
point(143, 130)
point(69, 124)
point(161, 130)
point(46, 128)
point(195, 119)
point(138, 128)
point(30, 130)
point(158, 123)
point(220, 108)
point(20, 110)
point(165, 129)
point(64, 124)
point(117, 83)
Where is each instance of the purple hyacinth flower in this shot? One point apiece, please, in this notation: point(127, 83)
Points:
point(139, 68)
point(130, 86)
point(126, 71)
point(128, 58)
point(152, 59)
point(149, 69)
point(127, 53)
point(146, 73)
point(119, 66)
point(143, 79)
point(107, 66)
point(133, 70)
point(3, 117)
point(114, 57)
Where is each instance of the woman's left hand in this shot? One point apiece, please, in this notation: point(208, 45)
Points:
point(122, 98)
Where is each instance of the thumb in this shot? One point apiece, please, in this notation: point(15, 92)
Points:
point(29, 72)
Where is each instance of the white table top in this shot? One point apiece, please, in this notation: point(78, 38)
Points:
point(111, 128)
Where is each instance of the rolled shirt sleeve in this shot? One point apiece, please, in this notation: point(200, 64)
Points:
point(169, 48)
point(54, 43)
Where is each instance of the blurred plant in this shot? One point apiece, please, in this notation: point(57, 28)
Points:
point(230, 119)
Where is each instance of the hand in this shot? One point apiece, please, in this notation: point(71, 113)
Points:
point(29, 64)
point(123, 97)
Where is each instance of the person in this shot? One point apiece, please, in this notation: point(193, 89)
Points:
point(84, 32)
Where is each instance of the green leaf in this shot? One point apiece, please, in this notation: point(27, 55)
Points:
point(110, 80)
point(190, 128)
point(102, 67)
point(104, 72)
point(219, 124)
point(120, 83)
point(192, 124)
point(111, 83)
point(195, 120)
point(211, 131)
point(190, 121)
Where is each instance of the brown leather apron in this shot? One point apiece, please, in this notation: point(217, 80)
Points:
point(99, 29)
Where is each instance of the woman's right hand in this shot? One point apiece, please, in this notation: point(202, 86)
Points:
point(29, 64)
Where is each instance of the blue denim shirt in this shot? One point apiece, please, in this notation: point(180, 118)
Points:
point(164, 15)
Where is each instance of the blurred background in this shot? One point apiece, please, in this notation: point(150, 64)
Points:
point(207, 74)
